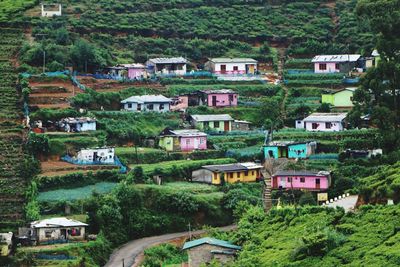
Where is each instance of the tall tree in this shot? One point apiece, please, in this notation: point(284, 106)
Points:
point(379, 93)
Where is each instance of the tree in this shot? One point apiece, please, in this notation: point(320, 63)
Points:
point(138, 175)
point(325, 107)
point(383, 82)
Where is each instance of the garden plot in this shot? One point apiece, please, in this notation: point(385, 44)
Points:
point(52, 94)
point(55, 168)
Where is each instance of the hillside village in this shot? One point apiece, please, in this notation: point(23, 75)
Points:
point(170, 133)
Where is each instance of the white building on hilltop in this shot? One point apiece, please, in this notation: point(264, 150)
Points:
point(51, 10)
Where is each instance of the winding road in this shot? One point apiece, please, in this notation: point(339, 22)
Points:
point(129, 254)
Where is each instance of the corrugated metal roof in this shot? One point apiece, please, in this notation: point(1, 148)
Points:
point(301, 173)
point(132, 66)
point(147, 99)
point(336, 58)
point(233, 167)
point(188, 132)
point(213, 117)
point(78, 120)
point(351, 89)
point(210, 241)
point(326, 117)
point(222, 91)
point(168, 60)
point(233, 60)
point(57, 222)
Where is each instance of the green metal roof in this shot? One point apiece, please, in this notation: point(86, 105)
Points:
point(210, 241)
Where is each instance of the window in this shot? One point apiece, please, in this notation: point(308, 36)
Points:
point(74, 232)
point(246, 173)
point(150, 106)
point(322, 66)
point(351, 98)
point(215, 176)
point(328, 125)
point(206, 124)
point(216, 124)
point(129, 105)
point(235, 68)
point(188, 141)
point(238, 174)
point(139, 107)
point(302, 180)
point(252, 172)
point(201, 140)
point(48, 233)
point(161, 106)
point(231, 175)
point(230, 98)
point(337, 66)
point(314, 125)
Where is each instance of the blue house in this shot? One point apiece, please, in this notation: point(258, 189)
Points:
point(289, 149)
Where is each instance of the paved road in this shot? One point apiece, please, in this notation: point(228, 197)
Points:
point(348, 203)
point(130, 251)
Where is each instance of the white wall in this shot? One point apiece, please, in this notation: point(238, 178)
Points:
point(88, 126)
point(144, 107)
point(229, 66)
point(51, 13)
point(106, 154)
point(336, 126)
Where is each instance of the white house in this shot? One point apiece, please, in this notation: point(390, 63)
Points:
point(173, 65)
point(156, 103)
point(81, 124)
point(55, 229)
point(51, 10)
point(104, 155)
point(325, 122)
point(231, 65)
point(335, 63)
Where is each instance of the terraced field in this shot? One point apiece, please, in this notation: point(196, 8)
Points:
point(12, 184)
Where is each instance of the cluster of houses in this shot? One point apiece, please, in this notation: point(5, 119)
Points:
point(178, 66)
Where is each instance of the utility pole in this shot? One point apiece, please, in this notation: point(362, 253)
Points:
point(44, 51)
point(190, 232)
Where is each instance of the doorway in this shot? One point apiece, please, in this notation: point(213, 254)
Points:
point(317, 183)
point(214, 101)
point(223, 69)
point(226, 126)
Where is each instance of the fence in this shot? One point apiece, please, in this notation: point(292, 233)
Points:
point(46, 74)
point(77, 83)
point(43, 256)
point(117, 162)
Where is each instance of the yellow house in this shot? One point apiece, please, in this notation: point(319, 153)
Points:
point(230, 173)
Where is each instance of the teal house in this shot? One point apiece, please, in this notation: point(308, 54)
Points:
point(289, 149)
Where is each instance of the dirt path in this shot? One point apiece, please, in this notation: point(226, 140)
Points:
point(130, 253)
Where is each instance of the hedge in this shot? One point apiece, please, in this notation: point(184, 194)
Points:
point(76, 179)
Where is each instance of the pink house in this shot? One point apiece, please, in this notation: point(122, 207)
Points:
point(129, 71)
point(218, 98)
point(183, 140)
point(301, 180)
point(335, 63)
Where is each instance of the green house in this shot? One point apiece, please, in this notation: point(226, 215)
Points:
point(340, 99)
point(212, 122)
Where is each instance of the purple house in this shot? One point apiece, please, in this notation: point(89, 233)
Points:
point(301, 180)
point(218, 98)
point(183, 140)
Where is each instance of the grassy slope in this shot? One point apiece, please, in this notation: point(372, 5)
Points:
point(366, 238)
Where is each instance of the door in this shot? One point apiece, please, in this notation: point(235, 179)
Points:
point(317, 183)
point(223, 69)
point(283, 182)
point(274, 182)
point(226, 126)
point(250, 69)
point(214, 101)
point(94, 156)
